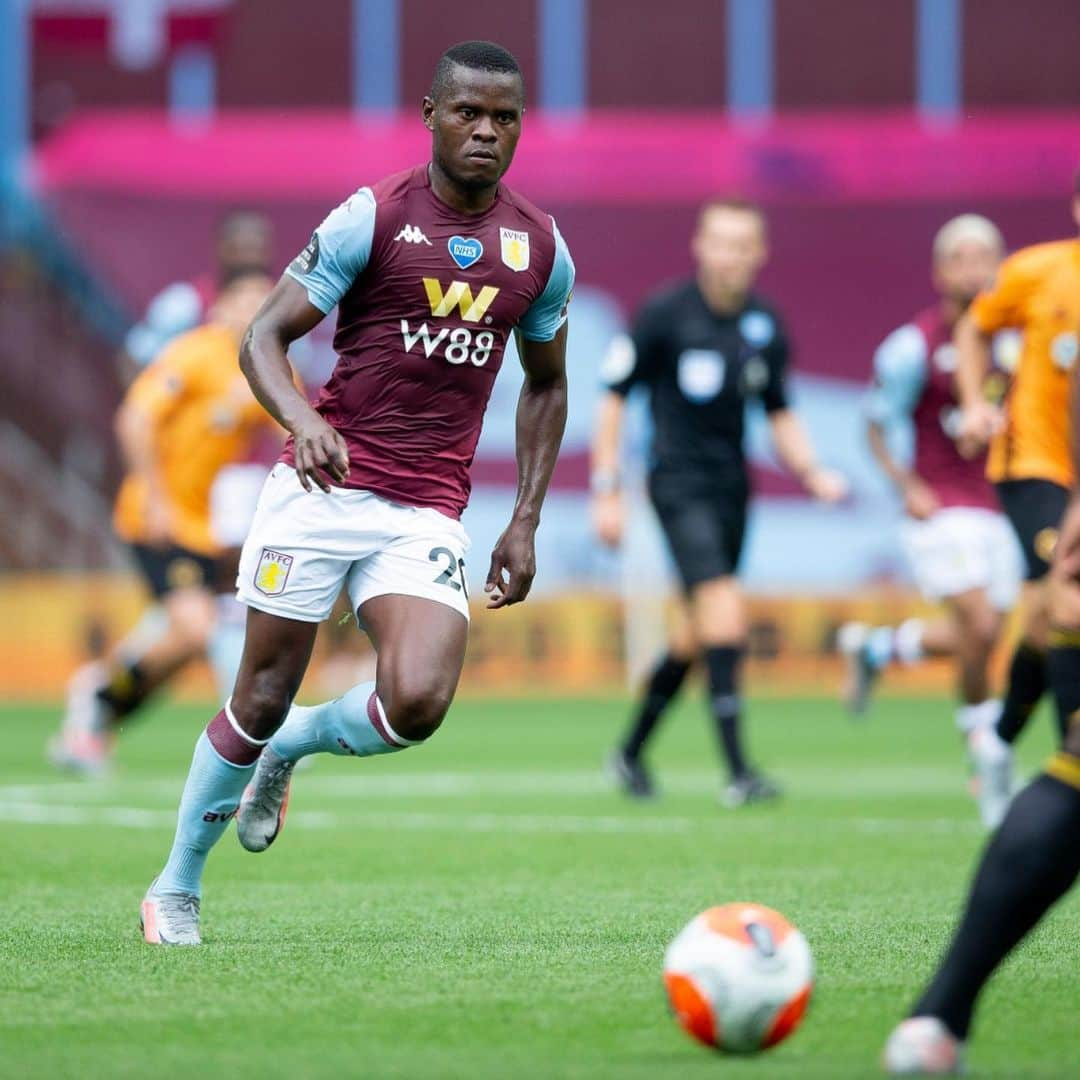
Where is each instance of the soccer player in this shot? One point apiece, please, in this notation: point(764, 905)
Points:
point(703, 348)
point(1030, 463)
point(959, 545)
point(184, 419)
point(244, 246)
point(1034, 858)
point(431, 270)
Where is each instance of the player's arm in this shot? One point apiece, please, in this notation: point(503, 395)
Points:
point(288, 314)
point(541, 419)
point(152, 398)
point(309, 289)
point(607, 502)
point(899, 378)
point(789, 438)
point(1003, 305)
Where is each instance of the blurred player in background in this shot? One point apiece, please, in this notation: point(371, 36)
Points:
point(1034, 858)
point(1030, 461)
point(245, 241)
point(703, 348)
point(431, 270)
point(184, 419)
point(960, 547)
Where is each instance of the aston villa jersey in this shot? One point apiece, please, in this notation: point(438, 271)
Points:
point(427, 298)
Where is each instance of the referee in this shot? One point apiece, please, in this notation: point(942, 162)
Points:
point(703, 348)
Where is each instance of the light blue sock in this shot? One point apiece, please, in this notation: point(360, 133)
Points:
point(227, 644)
point(210, 800)
point(354, 724)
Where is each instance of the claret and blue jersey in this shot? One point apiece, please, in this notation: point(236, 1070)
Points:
point(427, 298)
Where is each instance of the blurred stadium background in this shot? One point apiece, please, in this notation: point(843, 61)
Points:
point(128, 127)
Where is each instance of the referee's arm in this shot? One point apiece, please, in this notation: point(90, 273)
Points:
point(796, 454)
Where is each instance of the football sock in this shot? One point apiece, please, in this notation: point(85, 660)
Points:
point(1027, 681)
point(1063, 675)
point(664, 683)
point(722, 663)
point(354, 725)
point(1030, 864)
point(982, 714)
point(128, 687)
point(226, 645)
point(220, 770)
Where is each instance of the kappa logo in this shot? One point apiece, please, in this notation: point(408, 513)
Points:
point(412, 234)
point(272, 572)
point(458, 294)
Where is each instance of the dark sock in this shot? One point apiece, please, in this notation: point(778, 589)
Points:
point(663, 685)
point(1027, 681)
point(1030, 864)
point(126, 690)
point(723, 663)
point(1063, 675)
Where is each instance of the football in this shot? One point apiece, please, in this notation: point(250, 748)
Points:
point(739, 978)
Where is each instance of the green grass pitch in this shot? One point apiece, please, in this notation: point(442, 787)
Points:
point(487, 907)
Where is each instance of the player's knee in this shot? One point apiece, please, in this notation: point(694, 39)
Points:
point(415, 710)
point(261, 704)
point(984, 627)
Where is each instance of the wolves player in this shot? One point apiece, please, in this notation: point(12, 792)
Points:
point(960, 547)
point(704, 348)
point(1034, 858)
point(184, 420)
point(1030, 462)
point(431, 270)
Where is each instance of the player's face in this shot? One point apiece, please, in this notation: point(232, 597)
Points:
point(237, 304)
point(476, 124)
point(244, 247)
point(729, 248)
point(967, 269)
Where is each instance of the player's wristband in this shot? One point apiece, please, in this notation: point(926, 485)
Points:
point(604, 482)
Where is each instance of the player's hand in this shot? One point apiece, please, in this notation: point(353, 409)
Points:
point(827, 485)
point(978, 424)
point(608, 518)
point(320, 452)
point(919, 500)
point(513, 565)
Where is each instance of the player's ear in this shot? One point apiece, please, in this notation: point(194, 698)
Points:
point(427, 111)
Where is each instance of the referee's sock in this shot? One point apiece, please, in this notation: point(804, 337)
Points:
point(663, 685)
point(1027, 682)
point(723, 663)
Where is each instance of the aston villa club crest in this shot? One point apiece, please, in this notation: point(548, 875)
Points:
point(272, 572)
point(515, 248)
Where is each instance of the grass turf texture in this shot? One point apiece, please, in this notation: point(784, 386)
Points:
point(486, 907)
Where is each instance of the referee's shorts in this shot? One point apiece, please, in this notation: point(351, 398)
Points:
point(705, 526)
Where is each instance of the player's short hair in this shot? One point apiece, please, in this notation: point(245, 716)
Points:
point(240, 218)
point(477, 56)
point(736, 203)
point(967, 227)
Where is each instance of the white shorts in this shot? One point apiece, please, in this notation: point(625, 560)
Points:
point(233, 498)
point(305, 546)
point(962, 548)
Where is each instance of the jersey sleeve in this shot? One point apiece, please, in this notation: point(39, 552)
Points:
point(338, 251)
point(632, 358)
point(1004, 304)
point(899, 376)
point(547, 313)
point(166, 382)
point(774, 395)
point(175, 310)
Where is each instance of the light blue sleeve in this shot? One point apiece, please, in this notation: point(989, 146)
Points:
point(548, 311)
point(899, 376)
point(339, 250)
point(175, 310)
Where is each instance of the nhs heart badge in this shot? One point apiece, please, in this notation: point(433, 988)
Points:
point(465, 250)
